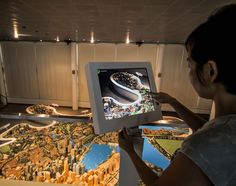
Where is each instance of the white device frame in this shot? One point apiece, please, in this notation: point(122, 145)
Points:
point(102, 125)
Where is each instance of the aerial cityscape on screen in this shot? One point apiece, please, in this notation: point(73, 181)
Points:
point(124, 92)
point(71, 153)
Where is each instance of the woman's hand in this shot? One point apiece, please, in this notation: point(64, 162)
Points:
point(125, 141)
point(162, 97)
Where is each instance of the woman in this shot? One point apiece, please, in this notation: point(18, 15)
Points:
point(208, 156)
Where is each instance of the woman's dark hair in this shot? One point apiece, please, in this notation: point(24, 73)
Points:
point(215, 40)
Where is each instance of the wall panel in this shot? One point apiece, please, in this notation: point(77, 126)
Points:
point(204, 105)
point(3, 98)
point(184, 90)
point(20, 73)
point(54, 71)
point(86, 54)
point(170, 66)
point(127, 52)
point(41, 72)
point(148, 52)
point(105, 52)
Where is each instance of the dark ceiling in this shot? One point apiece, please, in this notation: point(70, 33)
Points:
point(151, 21)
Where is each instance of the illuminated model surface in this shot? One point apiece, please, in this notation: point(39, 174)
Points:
point(71, 153)
point(41, 109)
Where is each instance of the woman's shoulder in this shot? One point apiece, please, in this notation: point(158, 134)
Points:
point(226, 117)
point(215, 132)
point(213, 148)
point(229, 120)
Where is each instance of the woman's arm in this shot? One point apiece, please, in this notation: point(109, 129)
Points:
point(192, 120)
point(182, 171)
point(145, 173)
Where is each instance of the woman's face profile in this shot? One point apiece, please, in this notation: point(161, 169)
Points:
point(192, 70)
point(200, 86)
point(192, 73)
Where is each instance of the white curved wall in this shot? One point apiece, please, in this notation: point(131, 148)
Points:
point(41, 72)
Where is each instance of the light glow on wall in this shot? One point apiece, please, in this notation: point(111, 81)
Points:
point(16, 35)
point(92, 38)
point(127, 41)
point(57, 39)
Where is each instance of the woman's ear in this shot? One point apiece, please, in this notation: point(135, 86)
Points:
point(212, 70)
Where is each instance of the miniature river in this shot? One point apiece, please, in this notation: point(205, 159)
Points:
point(99, 153)
point(152, 155)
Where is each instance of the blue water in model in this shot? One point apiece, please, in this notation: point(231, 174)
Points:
point(98, 153)
point(156, 127)
point(152, 155)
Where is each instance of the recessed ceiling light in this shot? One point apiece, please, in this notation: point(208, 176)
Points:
point(57, 39)
point(92, 38)
point(127, 41)
point(15, 29)
point(16, 34)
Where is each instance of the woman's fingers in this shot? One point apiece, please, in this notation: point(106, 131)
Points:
point(125, 133)
point(159, 97)
point(121, 135)
point(156, 97)
point(152, 93)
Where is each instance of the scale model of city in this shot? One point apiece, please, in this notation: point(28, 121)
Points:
point(71, 153)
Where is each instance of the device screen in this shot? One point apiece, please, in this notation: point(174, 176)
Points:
point(124, 92)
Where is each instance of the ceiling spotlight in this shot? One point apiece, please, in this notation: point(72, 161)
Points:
point(57, 39)
point(16, 34)
point(15, 28)
point(92, 38)
point(127, 41)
